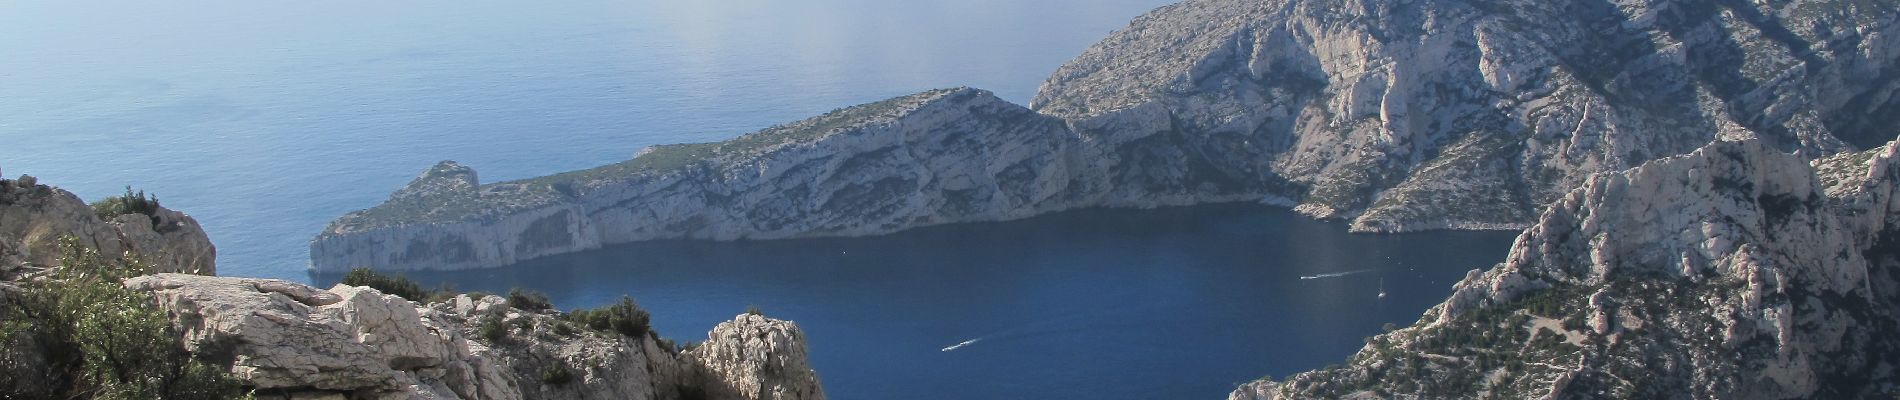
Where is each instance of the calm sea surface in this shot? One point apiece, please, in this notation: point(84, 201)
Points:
point(1175, 303)
point(267, 119)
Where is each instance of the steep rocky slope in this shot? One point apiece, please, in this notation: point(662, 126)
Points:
point(1399, 115)
point(34, 216)
point(294, 341)
point(1407, 115)
point(1733, 272)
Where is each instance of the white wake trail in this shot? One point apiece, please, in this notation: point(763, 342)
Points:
point(1334, 274)
point(960, 345)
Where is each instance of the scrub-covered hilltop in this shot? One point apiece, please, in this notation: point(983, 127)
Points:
point(1397, 115)
point(1733, 272)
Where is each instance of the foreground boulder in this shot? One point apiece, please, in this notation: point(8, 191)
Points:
point(1733, 272)
point(294, 341)
point(760, 358)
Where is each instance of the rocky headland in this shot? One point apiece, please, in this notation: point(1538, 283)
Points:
point(1394, 115)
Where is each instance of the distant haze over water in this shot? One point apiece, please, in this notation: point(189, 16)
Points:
point(267, 119)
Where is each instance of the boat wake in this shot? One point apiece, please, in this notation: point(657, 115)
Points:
point(960, 345)
point(1334, 274)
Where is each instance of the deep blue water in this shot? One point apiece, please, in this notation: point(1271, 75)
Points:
point(266, 119)
point(1095, 304)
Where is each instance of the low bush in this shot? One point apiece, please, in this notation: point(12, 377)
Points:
point(94, 338)
point(624, 317)
point(529, 300)
point(493, 329)
point(130, 203)
point(397, 285)
point(557, 374)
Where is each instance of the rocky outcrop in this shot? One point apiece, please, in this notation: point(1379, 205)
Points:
point(34, 216)
point(1467, 114)
point(760, 358)
point(1732, 272)
point(288, 340)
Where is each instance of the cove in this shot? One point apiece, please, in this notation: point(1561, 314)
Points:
point(1182, 302)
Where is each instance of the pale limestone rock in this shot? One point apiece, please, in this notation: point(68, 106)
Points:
point(760, 358)
point(1734, 271)
point(285, 338)
point(271, 339)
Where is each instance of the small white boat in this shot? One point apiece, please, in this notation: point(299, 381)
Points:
point(1381, 288)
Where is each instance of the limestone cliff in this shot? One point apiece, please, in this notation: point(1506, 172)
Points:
point(1407, 115)
point(1733, 272)
point(34, 216)
point(294, 341)
point(1399, 115)
point(937, 157)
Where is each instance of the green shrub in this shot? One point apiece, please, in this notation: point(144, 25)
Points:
point(522, 323)
point(624, 317)
point(529, 300)
point(97, 339)
point(754, 310)
point(130, 203)
point(564, 329)
point(397, 285)
point(557, 374)
point(493, 329)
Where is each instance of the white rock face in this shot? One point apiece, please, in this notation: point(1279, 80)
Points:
point(1397, 115)
point(290, 340)
point(1405, 115)
point(1732, 272)
point(281, 336)
point(33, 217)
point(761, 358)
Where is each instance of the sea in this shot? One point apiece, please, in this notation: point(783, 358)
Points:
point(266, 119)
